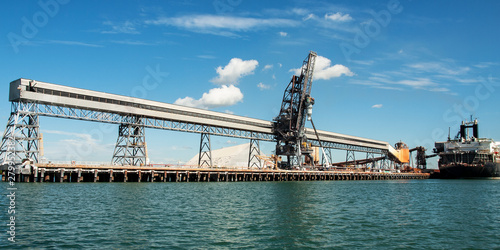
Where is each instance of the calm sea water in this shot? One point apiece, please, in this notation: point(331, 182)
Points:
point(419, 214)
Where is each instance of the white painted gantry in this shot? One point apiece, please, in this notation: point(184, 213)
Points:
point(30, 97)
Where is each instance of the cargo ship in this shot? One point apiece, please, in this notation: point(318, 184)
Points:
point(467, 155)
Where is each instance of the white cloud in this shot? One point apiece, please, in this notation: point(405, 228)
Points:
point(267, 67)
point(77, 146)
point(126, 27)
point(299, 11)
point(461, 79)
point(220, 25)
point(485, 65)
point(73, 43)
point(131, 42)
point(216, 97)
point(310, 16)
point(234, 70)
point(324, 71)
point(262, 86)
point(439, 89)
point(206, 56)
point(418, 83)
point(377, 106)
point(439, 67)
point(385, 80)
point(283, 34)
point(365, 62)
point(338, 17)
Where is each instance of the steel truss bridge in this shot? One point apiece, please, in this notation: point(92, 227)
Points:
point(31, 99)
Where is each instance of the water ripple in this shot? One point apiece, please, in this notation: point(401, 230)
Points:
point(288, 215)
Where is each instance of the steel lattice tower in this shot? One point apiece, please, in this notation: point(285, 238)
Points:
point(130, 146)
point(350, 156)
point(254, 151)
point(20, 140)
point(205, 155)
point(371, 157)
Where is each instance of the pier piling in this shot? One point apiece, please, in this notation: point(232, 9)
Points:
point(87, 173)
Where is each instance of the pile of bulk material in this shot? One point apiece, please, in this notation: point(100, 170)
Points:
point(229, 157)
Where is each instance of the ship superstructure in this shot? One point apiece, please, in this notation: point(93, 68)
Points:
point(468, 155)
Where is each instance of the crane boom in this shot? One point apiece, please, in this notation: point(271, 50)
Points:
point(307, 72)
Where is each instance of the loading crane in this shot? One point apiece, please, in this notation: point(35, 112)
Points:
point(296, 107)
point(31, 99)
point(289, 126)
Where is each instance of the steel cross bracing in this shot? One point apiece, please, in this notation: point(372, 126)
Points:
point(75, 103)
point(130, 146)
point(31, 98)
point(29, 108)
point(350, 157)
point(205, 155)
point(101, 116)
point(328, 155)
point(21, 136)
point(371, 157)
point(254, 152)
point(347, 147)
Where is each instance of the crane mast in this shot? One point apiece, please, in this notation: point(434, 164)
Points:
point(288, 126)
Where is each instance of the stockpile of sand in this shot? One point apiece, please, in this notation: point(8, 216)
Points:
point(235, 156)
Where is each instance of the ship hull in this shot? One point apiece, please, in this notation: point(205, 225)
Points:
point(460, 171)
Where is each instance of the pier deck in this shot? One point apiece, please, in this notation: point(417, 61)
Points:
point(111, 173)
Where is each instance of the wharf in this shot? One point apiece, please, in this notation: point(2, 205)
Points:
point(111, 173)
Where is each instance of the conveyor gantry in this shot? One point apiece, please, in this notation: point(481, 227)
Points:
point(31, 98)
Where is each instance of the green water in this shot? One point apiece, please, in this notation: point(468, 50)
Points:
point(418, 214)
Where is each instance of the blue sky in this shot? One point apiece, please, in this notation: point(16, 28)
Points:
point(388, 70)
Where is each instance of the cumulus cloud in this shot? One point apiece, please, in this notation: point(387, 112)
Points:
point(324, 71)
point(377, 106)
point(283, 34)
point(262, 86)
point(234, 70)
point(216, 97)
point(338, 17)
